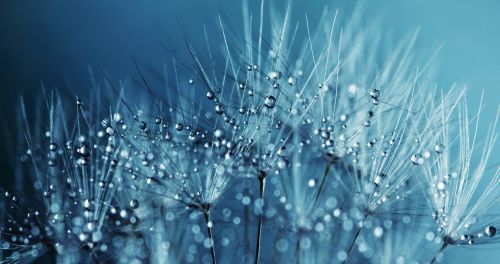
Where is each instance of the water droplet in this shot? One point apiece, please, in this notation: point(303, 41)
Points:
point(374, 93)
point(325, 134)
point(281, 163)
point(352, 89)
point(219, 109)
point(53, 146)
point(270, 101)
point(87, 203)
point(168, 136)
point(490, 231)
point(311, 183)
point(210, 95)
point(134, 203)
point(417, 159)
point(52, 162)
point(282, 245)
point(110, 131)
point(218, 133)
point(292, 81)
point(378, 231)
point(84, 151)
point(379, 178)
point(439, 148)
point(275, 75)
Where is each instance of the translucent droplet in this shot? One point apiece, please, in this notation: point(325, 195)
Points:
point(439, 148)
point(87, 203)
point(168, 136)
point(270, 101)
point(53, 146)
point(210, 95)
point(275, 75)
point(325, 134)
point(374, 93)
point(282, 245)
point(281, 163)
point(219, 109)
point(311, 183)
point(490, 231)
point(352, 89)
point(218, 133)
point(378, 231)
point(417, 159)
point(134, 203)
point(110, 131)
point(379, 178)
point(292, 81)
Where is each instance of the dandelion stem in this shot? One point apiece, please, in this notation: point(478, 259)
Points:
point(206, 213)
point(351, 247)
point(443, 247)
point(262, 183)
point(323, 181)
point(297, 250)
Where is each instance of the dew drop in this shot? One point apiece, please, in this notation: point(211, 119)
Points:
point(110, 131)
point(219, 109)
point(270, 101)
point(210, 95)
point(134, 203)
point(218, 133)
point(168, 136)
point(378, 231)
point(490, 231)
point(439, 148)
point(374, 93)
point(53, 146)
point(417, 159)
point(311, 183)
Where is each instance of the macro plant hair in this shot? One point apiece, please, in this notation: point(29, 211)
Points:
point(286, 139)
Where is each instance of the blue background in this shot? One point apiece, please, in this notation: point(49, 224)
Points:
point(55, 41)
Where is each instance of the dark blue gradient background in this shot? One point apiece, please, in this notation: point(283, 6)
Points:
point(57, 40)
